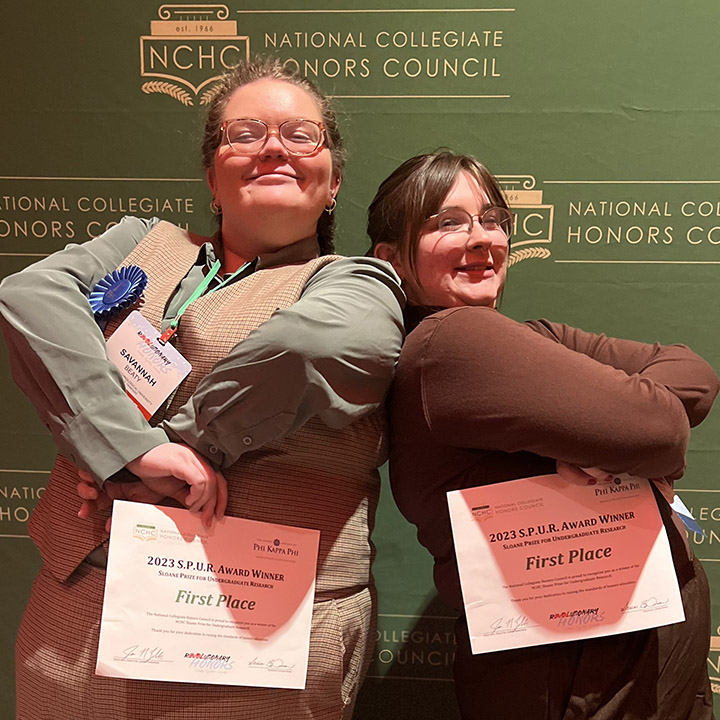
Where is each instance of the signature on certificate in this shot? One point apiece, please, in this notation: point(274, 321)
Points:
point(136, 653)
point(651, 603)
point(517, 623)
point(274, 665)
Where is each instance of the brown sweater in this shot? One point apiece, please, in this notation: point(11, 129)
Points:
point(480, 398)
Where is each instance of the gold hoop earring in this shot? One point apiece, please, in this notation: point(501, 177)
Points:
point(329, 208)
point(215, 209)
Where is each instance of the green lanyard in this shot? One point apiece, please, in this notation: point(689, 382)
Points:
point(198, 292)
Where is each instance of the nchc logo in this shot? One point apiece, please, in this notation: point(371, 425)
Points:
point(532, 234)
point(481, 512)
point(188, 49)
point(145, 532)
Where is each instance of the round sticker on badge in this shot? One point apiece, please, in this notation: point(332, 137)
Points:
point(118, 290)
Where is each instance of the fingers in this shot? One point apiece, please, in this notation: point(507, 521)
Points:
point(597, 474)
point(172, 466)
point(85, 476)
point(203, 484)
point(207, 513)
point(181, 495)
point(215, 507)
point(94, 499)
point(198, 496)
point(222, 495)
point(138, 492)
point(202, 480)
point(177, 471)
point(87, 509)
point(165, 486)
point(211, 504)
point(88, 490)
point(572, 473)
point(118, 491)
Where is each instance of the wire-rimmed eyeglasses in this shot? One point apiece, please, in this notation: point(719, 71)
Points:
point(455, 220)
point(247, 136)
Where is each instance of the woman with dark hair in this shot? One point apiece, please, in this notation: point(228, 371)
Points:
point(481, 399)
point(292, 351)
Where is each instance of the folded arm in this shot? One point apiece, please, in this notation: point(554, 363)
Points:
point(491, 383)
point(331, 354)
point(58, 359)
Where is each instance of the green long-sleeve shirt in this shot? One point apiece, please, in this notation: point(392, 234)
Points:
point(338, 343)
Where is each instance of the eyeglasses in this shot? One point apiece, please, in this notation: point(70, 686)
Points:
point(456, 220)
point(247, 136)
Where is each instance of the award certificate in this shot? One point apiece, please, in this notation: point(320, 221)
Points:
point(230, 605)
point(545, 560)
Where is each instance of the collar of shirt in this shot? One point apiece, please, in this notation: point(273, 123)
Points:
point(300, 251)
point(415, 314)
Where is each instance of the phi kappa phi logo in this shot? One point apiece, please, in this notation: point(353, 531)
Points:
point(187, 51)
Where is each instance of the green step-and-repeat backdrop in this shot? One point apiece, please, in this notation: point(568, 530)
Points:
point(601, 119)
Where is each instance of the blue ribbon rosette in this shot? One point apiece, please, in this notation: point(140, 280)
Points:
point(118, 290)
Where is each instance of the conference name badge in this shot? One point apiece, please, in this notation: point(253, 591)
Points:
point(150, 369)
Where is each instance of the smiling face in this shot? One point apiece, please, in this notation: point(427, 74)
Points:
point(458, 269)
point(271, 199)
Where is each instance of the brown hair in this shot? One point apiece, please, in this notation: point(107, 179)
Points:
point(414, 192)
point(268, 68)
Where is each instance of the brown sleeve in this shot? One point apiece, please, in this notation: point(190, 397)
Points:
point(679, 369)
point(488, 382)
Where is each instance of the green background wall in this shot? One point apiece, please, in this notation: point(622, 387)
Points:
point(601, 118)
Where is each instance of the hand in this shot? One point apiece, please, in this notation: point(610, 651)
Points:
point(593, 476)
point(204, 490)
point(588, 476)
point(168, 470)
point(95, 498)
